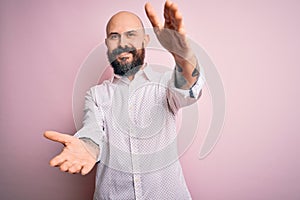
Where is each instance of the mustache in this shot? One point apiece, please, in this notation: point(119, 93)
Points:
point(125, 49)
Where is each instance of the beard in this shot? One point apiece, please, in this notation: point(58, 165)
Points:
point(126, 68)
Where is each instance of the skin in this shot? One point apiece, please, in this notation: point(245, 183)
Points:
point(76, 157)
point(125, 28)
point(172, 36)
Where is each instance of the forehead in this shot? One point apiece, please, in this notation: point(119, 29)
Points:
point(123, 22)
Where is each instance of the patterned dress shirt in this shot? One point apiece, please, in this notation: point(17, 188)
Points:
point(134, 125)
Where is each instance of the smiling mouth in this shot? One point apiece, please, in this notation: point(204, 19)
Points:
point(123, 57)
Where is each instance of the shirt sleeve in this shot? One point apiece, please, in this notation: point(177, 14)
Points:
point(93, 122)
point(178, 98)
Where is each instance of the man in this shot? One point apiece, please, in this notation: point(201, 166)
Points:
point(129, 122)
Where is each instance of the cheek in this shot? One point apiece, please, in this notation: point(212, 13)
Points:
point(110, 50)
point(138, 45)
point(111, 47)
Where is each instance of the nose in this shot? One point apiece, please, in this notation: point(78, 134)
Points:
point(123, 41)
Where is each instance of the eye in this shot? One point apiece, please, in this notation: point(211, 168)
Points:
point(114, 36)
point(131, 34)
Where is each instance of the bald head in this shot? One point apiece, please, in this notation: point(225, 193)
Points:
point(124, 21)
point(126, 41)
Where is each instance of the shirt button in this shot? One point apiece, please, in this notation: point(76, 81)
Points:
point(137, 179)
point(130, 107)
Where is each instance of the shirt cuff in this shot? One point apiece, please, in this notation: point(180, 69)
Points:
point(93, 133)
point(195, 90)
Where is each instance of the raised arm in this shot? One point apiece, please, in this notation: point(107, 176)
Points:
point(172, 37)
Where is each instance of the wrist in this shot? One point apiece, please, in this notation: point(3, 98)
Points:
point(91, 147)
point(187, 60)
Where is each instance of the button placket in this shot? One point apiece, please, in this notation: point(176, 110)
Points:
point(134, 146)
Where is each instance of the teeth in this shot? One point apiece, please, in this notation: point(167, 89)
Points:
point(124, 58)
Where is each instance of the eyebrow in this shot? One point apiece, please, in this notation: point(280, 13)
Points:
point(132, 31)
point(115, 33)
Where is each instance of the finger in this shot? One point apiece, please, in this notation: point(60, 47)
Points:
point(167, 11)
point(152, 15)
point(58, 160)
point(179, 22)
point(177, 19)
point(87, 168)
point(173, 15)
point(65, 166)
point(61, 158)
point(75, 168)
point(173, 12)
point(58, 137)
point(182, 32)
point(168, 5)
point(173, 8)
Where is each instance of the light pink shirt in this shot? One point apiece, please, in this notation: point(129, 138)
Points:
point(134, 124)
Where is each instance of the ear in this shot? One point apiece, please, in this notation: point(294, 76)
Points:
point(146, 40)
point(106, 42)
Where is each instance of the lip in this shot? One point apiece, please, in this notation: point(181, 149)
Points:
point(124, 56)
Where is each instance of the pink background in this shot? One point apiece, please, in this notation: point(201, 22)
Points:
point(254, 44)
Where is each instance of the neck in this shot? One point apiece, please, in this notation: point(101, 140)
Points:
point(131, 77)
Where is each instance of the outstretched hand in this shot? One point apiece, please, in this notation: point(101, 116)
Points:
point(172, 37)
point(171, 34)
point(75, 156)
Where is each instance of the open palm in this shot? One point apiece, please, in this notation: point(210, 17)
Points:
point(75, 156)
point(171, 34)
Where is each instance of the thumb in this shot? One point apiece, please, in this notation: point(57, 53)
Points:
point(152, 15)
point(58, 137)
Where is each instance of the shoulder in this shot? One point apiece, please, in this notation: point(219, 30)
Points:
point(101, 87)
point(158, 73)
point(101, 93)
